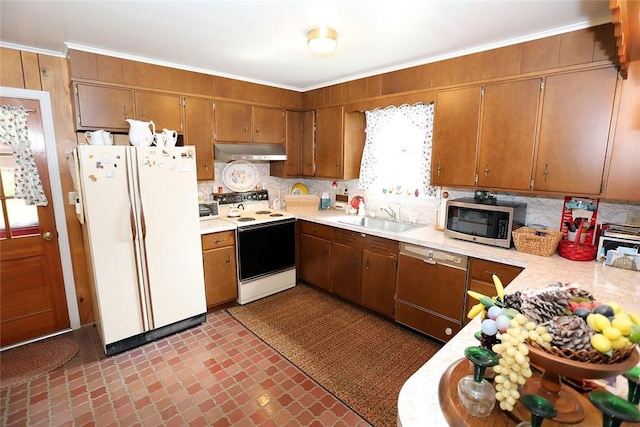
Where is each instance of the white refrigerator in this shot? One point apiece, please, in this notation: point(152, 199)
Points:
point(142, 231)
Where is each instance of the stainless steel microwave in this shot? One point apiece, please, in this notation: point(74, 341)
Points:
point(490, 223)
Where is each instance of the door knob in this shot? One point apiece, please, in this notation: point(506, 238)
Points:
point(48, 236)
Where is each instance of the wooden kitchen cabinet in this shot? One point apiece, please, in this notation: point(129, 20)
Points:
point(199, 133)
point(308, 144)
point(574, 131)
point(455, 136)
point(623, 181)
point(363, 269)
point(294, 121)
point(236, 122)
point(339, 142)
point(315, 255)
point(102, 107)
point(507, 134)
point(481, 279)
point(219, 258)
point(166, 111)
point(430, 296)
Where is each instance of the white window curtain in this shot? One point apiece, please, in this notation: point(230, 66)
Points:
point(14, 133)
point(397, 152)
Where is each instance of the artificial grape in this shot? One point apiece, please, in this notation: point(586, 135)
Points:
point(515, 394)
point(493, 312)
point(503, 405)
point(506, 390)
point(530, 326)
point(526, 372)
point(511, 401)
point(488, 326)
point(513, 377)
point(499, 379)
point(511, 352)
point(503, 323)
point(520, 319)
point(499, 388)
point(546, 337)
point(533, 335)
point(541, 329)
point(522, 380)
point(520, 359)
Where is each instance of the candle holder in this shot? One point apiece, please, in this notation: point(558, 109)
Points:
point(476, 394)
point(539, 407)
point(614, 409)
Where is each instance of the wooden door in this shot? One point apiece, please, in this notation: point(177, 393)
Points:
point(378, 282)
point(220, 280)
point(507, 134)
point(624, 173)
point(574, 131)
point(346, 266)
point(33, 301)
point(99, 107)
point(199, 133)
point(293, 146)
point(315, 261)
point(232, 122)
point(455, 136)
point(268, 125)
point(329, 148)
point(164, 110)
point(308, 143)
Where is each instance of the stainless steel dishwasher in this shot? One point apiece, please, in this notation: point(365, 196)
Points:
point(431, 290)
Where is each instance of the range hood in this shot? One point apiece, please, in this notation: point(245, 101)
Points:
point(249, 152)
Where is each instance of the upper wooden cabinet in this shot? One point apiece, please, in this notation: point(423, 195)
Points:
point(299, 143)
point(574, 131)
point(507, 134)
point(166, 111)
point(199, 133)
point(339, 143)
point(623, 182)
point(236, 122)
point(100, 107)
point(455, 136)
point(107, 107)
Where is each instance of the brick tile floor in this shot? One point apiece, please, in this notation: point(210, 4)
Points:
point(217, 374)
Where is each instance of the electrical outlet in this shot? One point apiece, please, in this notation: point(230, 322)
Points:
point(633, 219)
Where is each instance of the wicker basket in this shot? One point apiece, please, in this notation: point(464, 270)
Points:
point(536, 241)
point(591, 356)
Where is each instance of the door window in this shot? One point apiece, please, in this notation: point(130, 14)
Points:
point(17, 218)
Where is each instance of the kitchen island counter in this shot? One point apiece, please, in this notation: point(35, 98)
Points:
point(418, 403)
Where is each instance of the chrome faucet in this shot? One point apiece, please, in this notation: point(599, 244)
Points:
point(391, 213)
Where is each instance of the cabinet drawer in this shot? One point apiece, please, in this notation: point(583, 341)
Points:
point(317, 230)
point(426, 322)
point(482, 270)
point(377, 245)
point(218, 240)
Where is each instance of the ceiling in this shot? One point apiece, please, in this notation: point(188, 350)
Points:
point(264, 41)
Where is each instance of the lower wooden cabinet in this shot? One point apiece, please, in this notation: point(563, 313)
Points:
point(220, 276)
point(315, 255)
point(430, 296)
point(481, 279)
point(363, 269)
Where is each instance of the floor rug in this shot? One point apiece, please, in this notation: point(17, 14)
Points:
point(359, 357)
point(24, 363)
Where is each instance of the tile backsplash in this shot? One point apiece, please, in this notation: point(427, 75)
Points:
point(545, 210)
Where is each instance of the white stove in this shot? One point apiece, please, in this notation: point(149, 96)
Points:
point(265, 244)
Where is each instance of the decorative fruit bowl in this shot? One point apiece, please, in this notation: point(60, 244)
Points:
point(570, 404)
point(586, 356)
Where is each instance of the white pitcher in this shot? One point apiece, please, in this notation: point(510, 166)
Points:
point(98, 137)
point(159, 139)
point(141, 133)
point(171, 137)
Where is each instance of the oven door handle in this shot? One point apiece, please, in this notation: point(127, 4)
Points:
point(264, 225)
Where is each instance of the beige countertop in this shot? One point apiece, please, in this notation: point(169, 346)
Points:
point(418, 403)
point(215, 225)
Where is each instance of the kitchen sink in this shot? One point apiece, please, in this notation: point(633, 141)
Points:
point(380, 224)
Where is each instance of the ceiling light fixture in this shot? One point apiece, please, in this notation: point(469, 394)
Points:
point(322, 40)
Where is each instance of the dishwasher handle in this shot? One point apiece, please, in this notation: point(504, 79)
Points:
point(434, 256)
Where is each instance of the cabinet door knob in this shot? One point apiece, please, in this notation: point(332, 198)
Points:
point(546, 171)
point(366, 266)
point(47, 236)
point(257, 131)
point(486, 169)
point(206, 166)
point(439, 168)
point(448, 331)
point(144, 114)
point(355, 261)
point(228, 261)
point(124, 111)
point(246, 128)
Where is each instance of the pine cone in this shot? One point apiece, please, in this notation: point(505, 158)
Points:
point(581, 293)
point(513, 300)
point(570, 332)
point(544, 306)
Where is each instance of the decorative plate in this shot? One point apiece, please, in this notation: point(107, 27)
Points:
point(299, 189)
point(240, 176)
